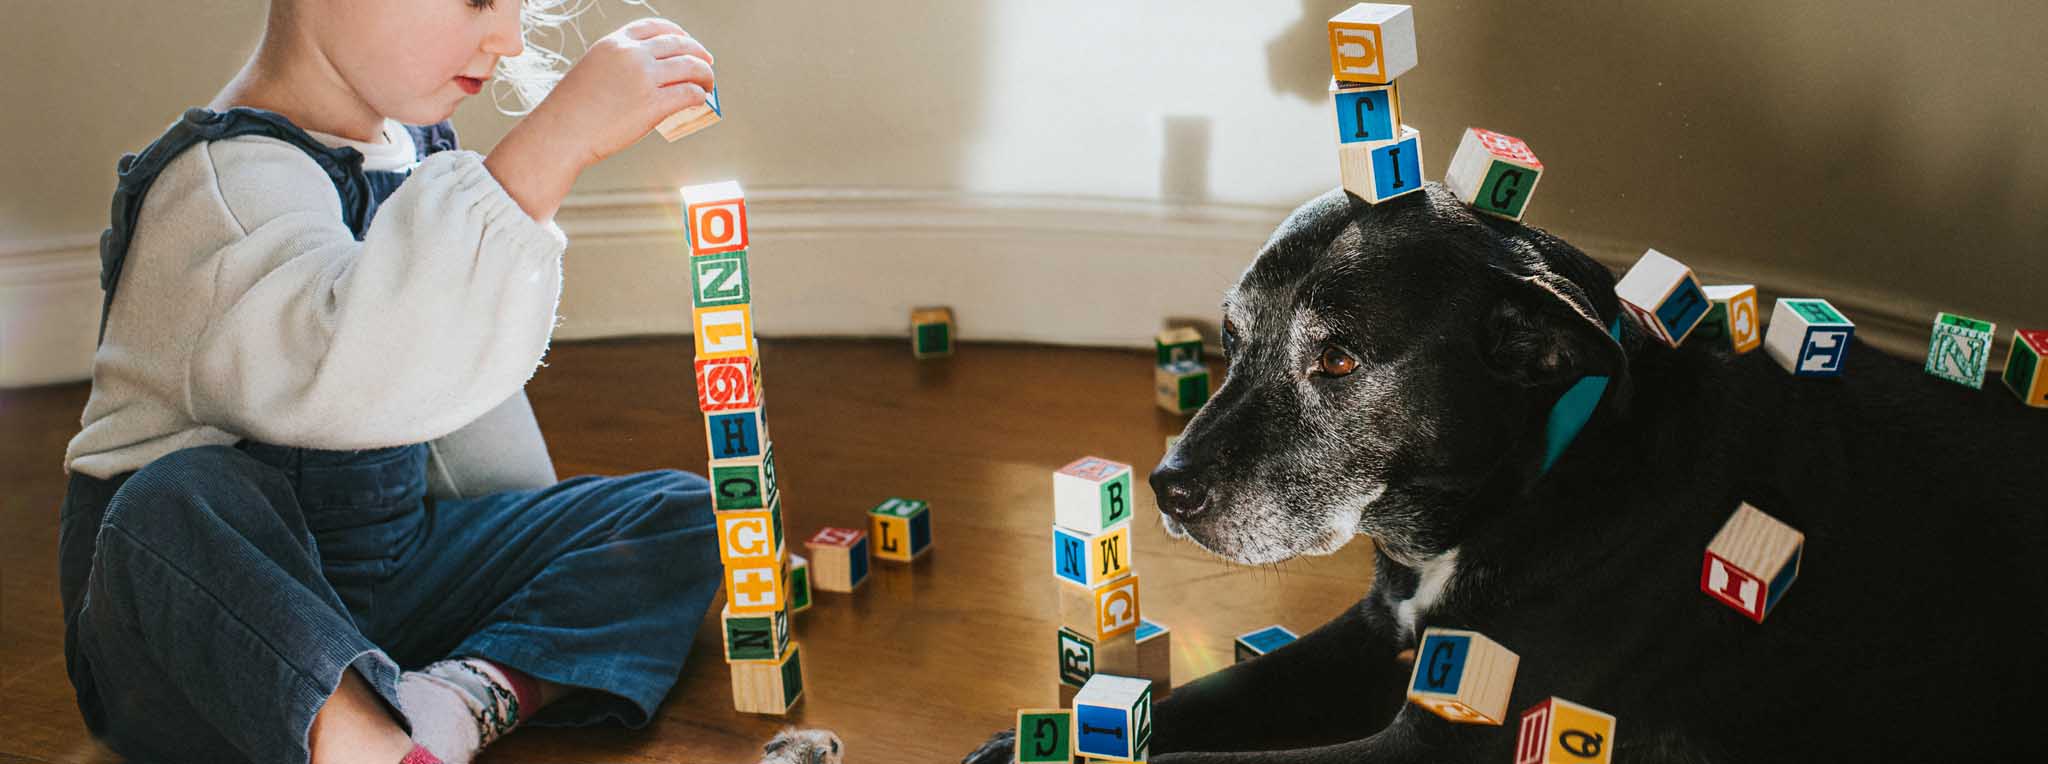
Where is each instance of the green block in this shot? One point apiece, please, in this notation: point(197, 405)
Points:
point(1044, 738)
point(1506, 189)
point(799, 587)
point(2020, 368)
point(1713, 328)
point(1077, 658)
point(792, 677)
point(934, 339)
point(744, 483)
point(719, 279)
point(1170, 353)
point(1816, 311)
point(1116, 500)
point(1194, 391)
point(1959, 350)
point(756, 637)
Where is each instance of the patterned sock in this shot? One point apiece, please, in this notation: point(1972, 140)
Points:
point(458, 706)
point(420, 755)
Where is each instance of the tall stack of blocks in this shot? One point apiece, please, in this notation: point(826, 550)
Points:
point(1098, 587)
point(1180, 379)
point(767, 673)
point(1371, 45)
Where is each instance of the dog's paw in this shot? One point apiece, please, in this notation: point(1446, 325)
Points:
point(795, 746)
point(1000, 749)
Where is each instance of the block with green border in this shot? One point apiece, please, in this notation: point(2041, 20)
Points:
point(719, 279)
point(1044, 736)
point(755, 636)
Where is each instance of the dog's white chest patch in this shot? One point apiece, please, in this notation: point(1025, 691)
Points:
point(1436, 580)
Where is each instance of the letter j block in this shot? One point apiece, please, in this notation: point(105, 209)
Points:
point(1089, 560)
point(1664, 296)
point(1463, 677)
point(1366, 113)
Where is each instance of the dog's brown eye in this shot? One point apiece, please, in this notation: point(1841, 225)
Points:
point(1335, 362)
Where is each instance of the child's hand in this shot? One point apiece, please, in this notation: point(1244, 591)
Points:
point(625, 85)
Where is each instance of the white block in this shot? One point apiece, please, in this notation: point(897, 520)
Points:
point(1372, 42)
point(1091, 495)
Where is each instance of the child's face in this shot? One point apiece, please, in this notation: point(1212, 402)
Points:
point(414, 60)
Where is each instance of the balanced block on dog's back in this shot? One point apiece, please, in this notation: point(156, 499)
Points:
point(1365, 113)
point(1808, 337)
point(1558, 731)
point(900, 529)
point(1463, 676)
point(1733, 322)
point(1493, 173)
point(1372, 43)
point(1664, 297)
point(1113, 717)
point(1376, 171)
point(1752, 561)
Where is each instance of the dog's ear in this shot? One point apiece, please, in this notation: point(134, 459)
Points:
point(1543, 333)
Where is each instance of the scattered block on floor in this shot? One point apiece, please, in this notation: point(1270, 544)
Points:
point(1080, 656)
point(715, 217)
point(1494, 173)
point(1101, 611)
point(1366, 113)
point(1463, 676)
point(1372, 43)
point(901, 529)
point(1089, 560)
point(1155, 655)
point(1381, 170)
point(1091, 494)
point(748, 533)
point(680, 124)
point(744, 483)
point(735, 434)
point(1253, 644)
point(1113, 717)
point(1664, 296)
point(839, 559)
point(1045, 736)
point(728, 384)
point(1732, 321)
point(755, 636)
point(1960, 349)
point(770, 686)
point(1182, 387)
point(931, 332)
point(1177, 345)
point(1752, 561)
point(1808, 337)
point(2024, 373)
point(797, 575)
point(1558, 731)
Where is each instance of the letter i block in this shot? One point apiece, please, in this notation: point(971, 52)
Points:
point(1182, 387)
point(931, 332)
point(735, 434)
point(1372, 42)
point(1558, 731)
point(690, 120)
point(1960, 350)
point(725, 384)
point(1494, 173)
point(1808, 337)
point(744, 483)
point(1091, 494)
point(715, 217)
point(1044, 736)
point(839, 559)
point(1089, 560)
point(1462, 676)
point(1380, 170)
point(1664, 296)
point(1732, 322)
point(1080, 656)
point(1113, 717)
point(901, 529)
point(1101, 611)
point(768, 687)
point(755, 636)
point(719, 280)
point(725, 331)
point(1253, 644)
point(1177, 345)
point(2024, 372)
point(1366, 113)
point(1155, 655)
point(1751, 562)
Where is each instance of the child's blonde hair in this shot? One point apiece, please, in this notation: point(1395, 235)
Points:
point(545, 26)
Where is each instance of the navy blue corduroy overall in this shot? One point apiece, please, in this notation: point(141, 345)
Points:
point(213, 598)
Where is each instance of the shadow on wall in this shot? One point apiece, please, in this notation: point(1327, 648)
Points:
point(1184, 164)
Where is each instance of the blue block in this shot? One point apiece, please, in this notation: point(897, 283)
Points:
point(1069, 557)
point(1102, 731)
point(1397, 167)
point(1683, 308)
point(1364, 115)
point(1443, 663)
point(734, 435)
point(857, 567)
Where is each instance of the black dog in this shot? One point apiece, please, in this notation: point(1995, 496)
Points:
point(1392, 371)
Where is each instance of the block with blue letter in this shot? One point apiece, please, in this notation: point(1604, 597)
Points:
point(1253, 644)
point(1463, 676)
point(1664, 296)
point(1380, 170)
point(1089, 560)
point(1113, 717)
point(1808, 337)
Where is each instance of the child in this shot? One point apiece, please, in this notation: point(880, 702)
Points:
point(307, 461)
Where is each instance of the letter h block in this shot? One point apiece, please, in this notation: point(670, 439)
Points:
point(1808, 337)
point(1751, 562)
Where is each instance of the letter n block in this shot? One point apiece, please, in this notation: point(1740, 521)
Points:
point(1960, 349)
point(1089, 560)
point(1091, 494)
point(1463, 677)
point(2024, 373)
point(1733, 322)
point(1664, 296)
point(1494, 173)
point(1253, 644)
point(768, 687)
point(1113, 717)
point(755, 636)
point(901, 529)
point(1751, 562)
point(715, 217)
point(839, 559)
point(1102, 611)
point(1808, 337)
point(1044, 736)
point(1558, 731)
point(1376, 171)
point(1372, 43)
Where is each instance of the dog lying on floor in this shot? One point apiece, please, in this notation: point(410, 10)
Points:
point(1392, 371)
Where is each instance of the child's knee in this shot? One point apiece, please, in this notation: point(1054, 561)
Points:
point(173, 497)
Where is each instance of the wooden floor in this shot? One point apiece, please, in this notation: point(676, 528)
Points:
point(920, 665)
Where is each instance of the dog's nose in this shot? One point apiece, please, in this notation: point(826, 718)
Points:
point(1180, 493)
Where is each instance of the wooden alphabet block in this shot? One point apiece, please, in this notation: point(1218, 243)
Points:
point(797, 575)
point(1045, 736)
point(2024, 373)
point(839, 559)
point(755, 636)
point(680, 124)
point(1177, 345)
point(755, 584)
point(1253, 644)
point(715, 217)
point(1155, 655)
point(1664, 296)
point(744, 483)
point(1372, 43)
point(901, 529)
point(1808, 337)
point(1113, 717)
point(1733, 321)
point(1089, 560)
point(931, 332)
point(736, 433)
point(1462, 676)
point(720, 280)
point(725, 384)
point(1091, 494)
point(1558, 731)
point(1366, 113)
point(1960, 349)
point(1080, 656)
point(1751, 562)
point(1182, 387)
point(1376, 171)
point(748, 533)
point(1102, 611)
point(725, 331)
point(768, 687)
point(1494, 173)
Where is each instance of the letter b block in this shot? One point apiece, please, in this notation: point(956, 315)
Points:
point(1494, 173)
point(1462, 676)
point(755, 637)
point(1091, 495)
point(1090, 560)
point(1558, 731)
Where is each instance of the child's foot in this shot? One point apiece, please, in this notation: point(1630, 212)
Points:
point(795, 746)
point(459, 706)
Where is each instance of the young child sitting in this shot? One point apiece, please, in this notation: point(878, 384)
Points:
point(310, 514)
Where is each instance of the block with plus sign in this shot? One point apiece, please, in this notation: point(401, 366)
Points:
point(1808, 337)
point(1751, 562)
point(1366, 113)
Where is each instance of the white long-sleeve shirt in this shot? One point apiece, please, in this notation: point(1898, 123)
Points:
point(247, 309)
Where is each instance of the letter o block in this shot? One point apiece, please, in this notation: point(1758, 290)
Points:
point(715, 217)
